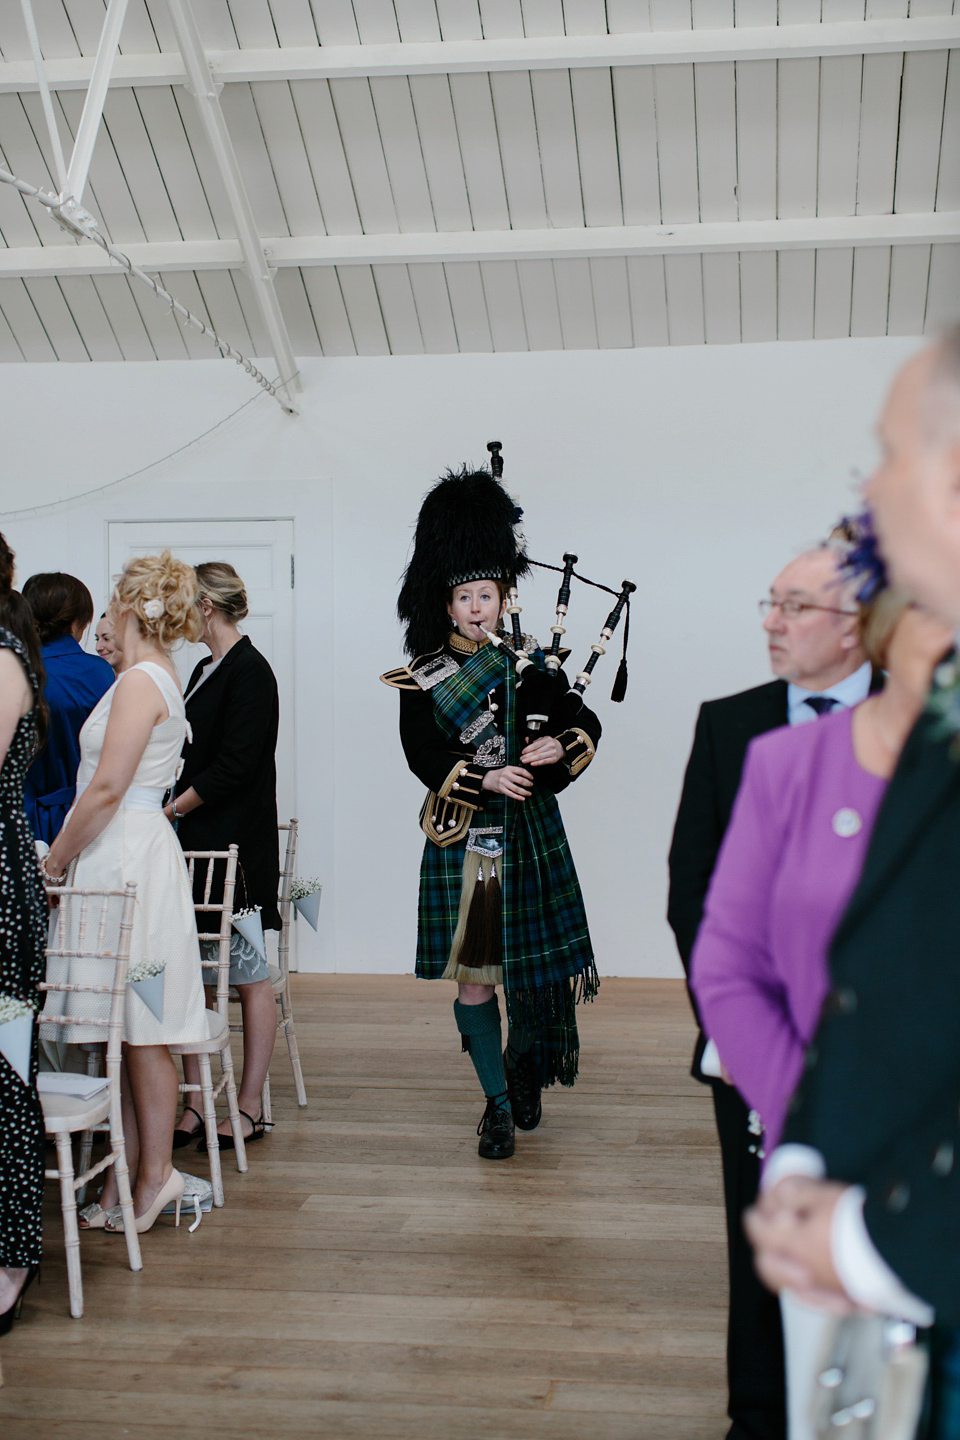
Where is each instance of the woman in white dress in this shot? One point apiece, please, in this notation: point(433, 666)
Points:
point(116, 832)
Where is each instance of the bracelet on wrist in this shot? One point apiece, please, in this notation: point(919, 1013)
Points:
point(51, 879)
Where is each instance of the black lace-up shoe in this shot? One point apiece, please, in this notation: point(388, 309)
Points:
point(496, 1132)
point(524, 1091)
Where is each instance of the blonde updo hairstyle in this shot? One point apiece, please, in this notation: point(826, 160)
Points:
point(162, 592)
point(219, 583)
point(879, 619)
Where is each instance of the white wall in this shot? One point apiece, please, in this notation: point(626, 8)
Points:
point(694, 472)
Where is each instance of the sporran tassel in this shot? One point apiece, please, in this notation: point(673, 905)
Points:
point(493, 919)
point(472, 953)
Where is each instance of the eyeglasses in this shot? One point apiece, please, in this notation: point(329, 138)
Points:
point(790, 609)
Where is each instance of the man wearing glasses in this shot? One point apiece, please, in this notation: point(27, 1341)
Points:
point(812, 626)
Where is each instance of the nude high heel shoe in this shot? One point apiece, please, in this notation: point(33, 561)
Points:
point(171, 1190)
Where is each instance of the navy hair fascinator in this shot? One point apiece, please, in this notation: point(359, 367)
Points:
point(864, 561)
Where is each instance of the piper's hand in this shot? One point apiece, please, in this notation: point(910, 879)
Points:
point(545, 751)
point(511, 781)
point(168, 812)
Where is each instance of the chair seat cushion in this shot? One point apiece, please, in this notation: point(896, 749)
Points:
point(218, 1033)
point(70, 1112)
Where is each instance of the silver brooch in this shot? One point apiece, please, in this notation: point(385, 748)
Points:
point(846, 823)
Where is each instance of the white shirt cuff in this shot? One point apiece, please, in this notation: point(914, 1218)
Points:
point(793, 1160)
point(710, 1062)
point(863, 1272)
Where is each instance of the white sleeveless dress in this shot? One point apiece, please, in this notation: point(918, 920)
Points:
point(139, 845)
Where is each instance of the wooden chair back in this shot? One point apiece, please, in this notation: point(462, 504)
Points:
point(224, 931)
point(291, 829)
point(88, 932)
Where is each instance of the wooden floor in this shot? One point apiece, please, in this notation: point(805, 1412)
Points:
point(372, 1277)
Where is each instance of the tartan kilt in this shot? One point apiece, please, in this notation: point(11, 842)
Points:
point(545, 933)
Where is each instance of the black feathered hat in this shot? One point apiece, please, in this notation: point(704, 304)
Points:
point(466, 530)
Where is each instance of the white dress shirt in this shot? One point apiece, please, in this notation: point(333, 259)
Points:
point(847, 692)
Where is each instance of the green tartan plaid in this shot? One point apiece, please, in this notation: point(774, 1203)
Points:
point(457, 699)
point(545, 934)
point(547, 954)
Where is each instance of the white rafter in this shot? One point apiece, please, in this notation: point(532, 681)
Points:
point(249, 245)
point(103, 63)
point(822, 233)
point(561, 52)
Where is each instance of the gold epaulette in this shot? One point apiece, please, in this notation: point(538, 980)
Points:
point(400, 679)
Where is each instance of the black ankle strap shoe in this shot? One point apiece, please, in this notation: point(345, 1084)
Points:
point(496, 1132)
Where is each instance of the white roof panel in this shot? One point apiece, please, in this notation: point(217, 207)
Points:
point(504, 150)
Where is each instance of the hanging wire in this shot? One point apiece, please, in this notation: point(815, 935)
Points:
point(132, 474)
point(77, 221)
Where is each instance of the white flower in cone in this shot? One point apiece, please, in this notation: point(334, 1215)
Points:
point(248, 924)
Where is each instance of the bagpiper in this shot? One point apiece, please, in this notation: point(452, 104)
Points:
point(500, 902)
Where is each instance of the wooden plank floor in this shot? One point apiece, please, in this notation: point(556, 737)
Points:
point(372, 1279)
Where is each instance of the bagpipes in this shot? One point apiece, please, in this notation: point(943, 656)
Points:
point(534, 684)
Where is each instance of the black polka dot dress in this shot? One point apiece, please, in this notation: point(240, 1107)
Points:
point(23, 928)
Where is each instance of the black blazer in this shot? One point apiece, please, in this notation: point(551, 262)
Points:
point(881, 1092)
point(231, 764)
point(724, 730)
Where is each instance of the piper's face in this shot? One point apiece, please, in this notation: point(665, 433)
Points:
point(474, 605)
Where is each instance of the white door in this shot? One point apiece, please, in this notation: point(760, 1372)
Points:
point(261, 552)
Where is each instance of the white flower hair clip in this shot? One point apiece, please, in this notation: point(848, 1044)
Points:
point(153, 609)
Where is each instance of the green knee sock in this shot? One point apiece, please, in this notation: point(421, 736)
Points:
point(480, 1027)
point(519, 1043)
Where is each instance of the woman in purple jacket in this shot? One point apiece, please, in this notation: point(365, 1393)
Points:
point(788, 865)
point(791, 858)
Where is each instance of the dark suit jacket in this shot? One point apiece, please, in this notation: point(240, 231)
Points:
point(231, 764)
point(724, 730)
point(881, 1093)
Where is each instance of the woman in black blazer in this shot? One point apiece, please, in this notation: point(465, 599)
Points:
point(226, 795)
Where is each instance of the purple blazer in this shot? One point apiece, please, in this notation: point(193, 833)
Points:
point(788, 865)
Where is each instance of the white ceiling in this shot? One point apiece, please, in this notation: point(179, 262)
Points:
point(444, 175)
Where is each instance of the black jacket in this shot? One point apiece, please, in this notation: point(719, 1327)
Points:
point(881, 1092)
point(231, 764)
point(724, 730)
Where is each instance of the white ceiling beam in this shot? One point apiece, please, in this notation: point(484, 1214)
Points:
point(104, 60)
point(461, 57)
point(823, 233)
point(205, 94)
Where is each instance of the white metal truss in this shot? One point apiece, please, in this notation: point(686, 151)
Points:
point(204, 90)
point(464, 57)
point(591, 242)
point(77, 224)
point(67, 206)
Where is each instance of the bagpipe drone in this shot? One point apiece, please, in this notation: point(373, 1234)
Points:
point(530, 677)
point(468, 530)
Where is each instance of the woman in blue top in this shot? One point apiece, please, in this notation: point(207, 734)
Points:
point(62, 609)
